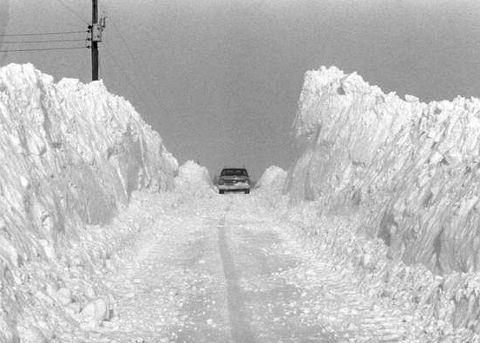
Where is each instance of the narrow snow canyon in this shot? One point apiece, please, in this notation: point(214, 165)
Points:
point(370, 236)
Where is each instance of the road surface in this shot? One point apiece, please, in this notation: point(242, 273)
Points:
point(224, 269)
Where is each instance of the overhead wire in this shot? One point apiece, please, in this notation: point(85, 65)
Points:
point(122, 71)
point(46, 49)
point(62, 37)
point(42, 34)
point(133, 59)
point(130, 80)
point(42, 38)
point(124, 41)
point(72, 11)
point(44, 41)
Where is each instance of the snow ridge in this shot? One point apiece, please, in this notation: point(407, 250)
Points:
point(71, 156)
point(406, 169)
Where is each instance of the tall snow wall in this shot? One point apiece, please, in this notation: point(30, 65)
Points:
point(410, 168)
point(70, 155)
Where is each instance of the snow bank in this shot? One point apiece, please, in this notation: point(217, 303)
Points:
point(272, 179)
point(269, 189)
point(72, 154)
point(407, 170)
point(194, 179)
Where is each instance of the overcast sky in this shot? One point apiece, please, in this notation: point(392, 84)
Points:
point(220, 79)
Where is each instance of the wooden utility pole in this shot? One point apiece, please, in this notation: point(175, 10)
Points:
point(96, 30)
point(94, 42)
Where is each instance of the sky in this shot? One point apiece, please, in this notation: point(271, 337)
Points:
point(220, 79)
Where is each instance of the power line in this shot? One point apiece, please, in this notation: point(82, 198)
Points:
point(132, 56)
point(44, 41)
point(134, 59)
point(130, 80)
point(71, 10)
point(42, 34)
point(122, 71)
point(125, 42)
point(45, 49)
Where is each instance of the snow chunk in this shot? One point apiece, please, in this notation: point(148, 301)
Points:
point(194, 179)
point(411, 98)
point(64, 295)
point(95, 312)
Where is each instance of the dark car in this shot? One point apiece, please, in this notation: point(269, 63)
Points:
point(234, 179)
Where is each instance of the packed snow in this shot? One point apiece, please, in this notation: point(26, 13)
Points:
point(368, 238)
point(224, 269)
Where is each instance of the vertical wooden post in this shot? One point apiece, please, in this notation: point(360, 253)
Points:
point(94, 41)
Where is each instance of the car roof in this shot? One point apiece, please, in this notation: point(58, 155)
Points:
point(234, 171)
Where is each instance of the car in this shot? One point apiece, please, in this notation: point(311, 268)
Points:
point(234, 179)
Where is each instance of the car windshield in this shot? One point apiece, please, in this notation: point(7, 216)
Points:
point(234, 172)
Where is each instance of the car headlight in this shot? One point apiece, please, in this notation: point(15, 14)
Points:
point(221, 182)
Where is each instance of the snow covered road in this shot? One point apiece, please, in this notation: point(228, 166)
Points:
point(223, 269)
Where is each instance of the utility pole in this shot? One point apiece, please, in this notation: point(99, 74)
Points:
point(95, 30)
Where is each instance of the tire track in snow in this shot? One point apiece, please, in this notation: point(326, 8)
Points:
point(239, 328)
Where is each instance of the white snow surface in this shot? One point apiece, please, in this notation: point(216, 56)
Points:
point(194, 179)
point(71, 156)
point(272, 179)
point(399, 178)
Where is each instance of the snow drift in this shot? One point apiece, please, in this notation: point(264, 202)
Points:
point(71, 156)
point(194, 179)
point(272, 179)
point(406, 171)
